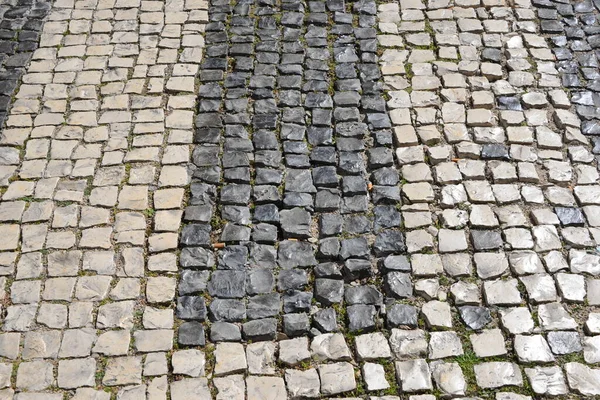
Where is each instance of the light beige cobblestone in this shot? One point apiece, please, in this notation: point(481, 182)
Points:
point(87, 141)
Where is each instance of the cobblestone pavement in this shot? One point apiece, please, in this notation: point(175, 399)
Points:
point(284, 199)
point(20, 26)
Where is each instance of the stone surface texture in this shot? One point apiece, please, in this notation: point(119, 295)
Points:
point(284, 199)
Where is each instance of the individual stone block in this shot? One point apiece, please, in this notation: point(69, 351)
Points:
point(591, 349)
point(303, 384)
point(465, 293)
point(155, 364)
point(123, 371)
point(547, 380)
point(449, 378)
point(532, 349)
point(399, 315)
point(540, 288)
point(444, 344)
point(497, 374)
point(263, 387)
point(564, 342)
point(336, 378)
point(374, 376)
point(261, 329)
point(516, 320)
point(261, 358)
point(188, 362)
point(372, 346)
point(490, 265)
point(450, 241)
point(77, 342)
point(437, 314)
point(231, 387)
point(76, 373)
point(361, 317)
point(293, 351)
point(9, 345)
point(52, 315)
point(330, 346)
point(571, 286)
point(489, 343)
point(116, 315)
point(191, 334)
point(19, 317)
point(190, 388)
point(553, 316)
point(413, 375)
point(11, 235)
point(153, 340)
point(500, 292)
point(113, 343)
point(592, 325)
point(230, 359)
point(35, 375)
point(408, 343)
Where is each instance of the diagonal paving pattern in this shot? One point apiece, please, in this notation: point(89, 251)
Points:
point(280, 199)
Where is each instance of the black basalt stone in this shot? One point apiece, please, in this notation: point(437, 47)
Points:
point(196, 235)
point(495, 151)
point(355, 224)
point(191, 282)
point(292, 279)
point(363, 295)
point(328, 270)
point(196, 257)
point(396, 263)
point(264, 305)
point(235, 233)
point(389, 242)
point(569, 216)
point(386, 217)
point(354, 248)
point(356, 269)
point(328, 291)
point(295, 301)
point(233, 257)
point(295, 223)
point(361, 317)
point(325, 320)
point(227, 284)
point(329, 248)
point(260, 330)
point(398, 285)
point(401, 315)
point(475, 317)
point(259, 281)
point(225, 332)
point(191, 334)
point(229, 310)
point(262, 255)
point(191, 308)
point(237, 214)
point(292, 254)
point(296, 324)
point(265, 233)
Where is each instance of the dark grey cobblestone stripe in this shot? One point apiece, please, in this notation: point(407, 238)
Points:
point(574, 31)
point(296, 176)
point(20, 24)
